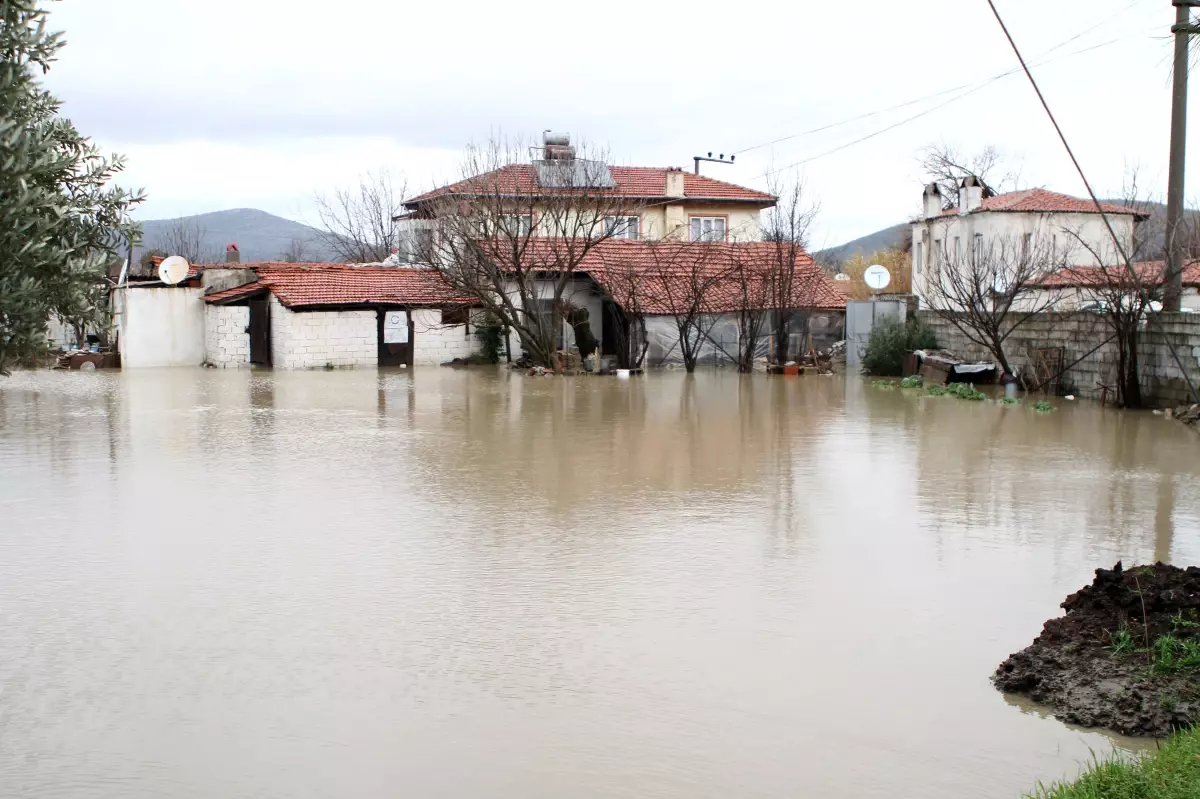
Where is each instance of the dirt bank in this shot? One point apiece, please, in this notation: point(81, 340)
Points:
point(1126, 656)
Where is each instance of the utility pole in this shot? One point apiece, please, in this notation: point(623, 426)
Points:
point(1183, 30)
point(721, 160)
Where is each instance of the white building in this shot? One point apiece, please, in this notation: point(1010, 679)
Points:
point(1066, 231)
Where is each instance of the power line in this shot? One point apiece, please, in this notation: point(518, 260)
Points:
point(927, 111)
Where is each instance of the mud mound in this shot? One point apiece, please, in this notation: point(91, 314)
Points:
point(1126, 655)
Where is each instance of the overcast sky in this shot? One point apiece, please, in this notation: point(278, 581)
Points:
point(222, 104)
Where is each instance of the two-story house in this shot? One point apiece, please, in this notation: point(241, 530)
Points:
point(537, 208)
point(1063, 231)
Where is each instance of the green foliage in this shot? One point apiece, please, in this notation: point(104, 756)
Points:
point(60, 221)
point(1042, 406)
point(491, 340)
point(1121, 642)
point(1173, 655)
point(912, 381)
point(965, 391)
point(1181, 622)
point(1009, 401)
point(886, 385)
point(935, 390)
point(890, 341)
point(1171, 772)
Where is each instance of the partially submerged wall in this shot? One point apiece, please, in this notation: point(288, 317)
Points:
point(1091, 361)
point(226, 342)
point(162, 326)
point(435, 343)
point(315, 339)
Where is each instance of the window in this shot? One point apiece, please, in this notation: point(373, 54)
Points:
point(958, 250)
point(623, 227)
point(518, 225)
point(977, 254)
point(414, 245)
point(707, 228)
point(917, 257)
point(1026, 246)
point(456, 316)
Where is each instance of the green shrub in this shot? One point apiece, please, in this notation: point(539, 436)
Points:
point(890, 341)
point(912, 381)
point(935, 390)
point(965, 391)
point(1009, 401)
point(1041, 406)
point(491, 340)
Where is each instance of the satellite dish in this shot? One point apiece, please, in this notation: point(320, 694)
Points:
point(173, 270)
point(841, 276)
point(877, 277)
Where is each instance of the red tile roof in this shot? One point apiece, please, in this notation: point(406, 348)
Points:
point(1150, 272)
point(312, 285)
point(1046, 202)
point(664, 277)
point(635, 182)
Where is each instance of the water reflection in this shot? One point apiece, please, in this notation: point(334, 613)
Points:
point(477, 583)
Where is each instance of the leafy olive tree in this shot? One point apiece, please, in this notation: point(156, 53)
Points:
point(60, 221)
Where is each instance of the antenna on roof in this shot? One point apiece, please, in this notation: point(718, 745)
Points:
point(720, 159)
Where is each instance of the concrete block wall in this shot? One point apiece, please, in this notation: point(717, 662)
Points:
point(226, 342)
point(1081, 336)
point(435, 343)
point(315, 339)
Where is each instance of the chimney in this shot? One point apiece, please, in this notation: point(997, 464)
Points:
point(932, 200)
point(233, 255)
point(970, 195)
point(674, 182)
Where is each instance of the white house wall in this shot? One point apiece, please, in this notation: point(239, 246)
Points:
point(159, 326)
point(226, 342)
point(316, 339)
point(435, 343)
point(582, 293)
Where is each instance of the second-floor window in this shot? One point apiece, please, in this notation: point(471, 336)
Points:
point(414, 245)
point(623, 227)
point(707, 228)
point(518, 225)
point(917, 257)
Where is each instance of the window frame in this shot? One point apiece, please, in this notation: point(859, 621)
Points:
point(613, 221)
point(701, 218)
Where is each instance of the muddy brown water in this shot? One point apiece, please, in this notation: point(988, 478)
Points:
point(473, 584)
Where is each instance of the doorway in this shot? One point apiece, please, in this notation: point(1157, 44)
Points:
point(260, 331)
point(395, 337)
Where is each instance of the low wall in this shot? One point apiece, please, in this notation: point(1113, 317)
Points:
point(226, 342)
point(159, 326)
point(1081, 336)
point(435, 343)
point(315, 339)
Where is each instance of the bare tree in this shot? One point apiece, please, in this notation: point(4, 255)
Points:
point(751, 288)
point(513, 234)
point(358, 224)
point(947, 166)
point(184, 236)
point(787, 227)
point(624, 280)
point(994, 288)
point(296, 252)
point(684, 281)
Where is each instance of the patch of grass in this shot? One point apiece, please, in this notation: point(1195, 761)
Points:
point(884, 384)
point(1168, 701)
point(912, 381)
point(1041, 406)
point(1009, 401)
point(1173, 655)
point(965, 391)
point(935, 390)
point(1121, 642)
point(1172, 772)
point(1180, 622)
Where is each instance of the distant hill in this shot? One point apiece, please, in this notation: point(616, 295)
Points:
point(872, 242)
point(260, 236)
point(893, 236)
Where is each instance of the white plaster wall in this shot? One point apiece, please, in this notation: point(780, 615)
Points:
point(226, 342)
point(315, 339)
point(659, 221)
point(1058, 231)
point(435, 343)
point(581, 292)
point(159, 326)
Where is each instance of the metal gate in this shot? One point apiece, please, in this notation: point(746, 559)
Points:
point(260, 331)
point(861, 316)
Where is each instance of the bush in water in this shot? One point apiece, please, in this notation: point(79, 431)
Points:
point(890, 341)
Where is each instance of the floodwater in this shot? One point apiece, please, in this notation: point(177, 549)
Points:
point(477, 584)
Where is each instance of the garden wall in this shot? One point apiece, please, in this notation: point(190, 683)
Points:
point(1082, 337)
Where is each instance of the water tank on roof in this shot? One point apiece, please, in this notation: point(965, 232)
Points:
point(556, 139)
